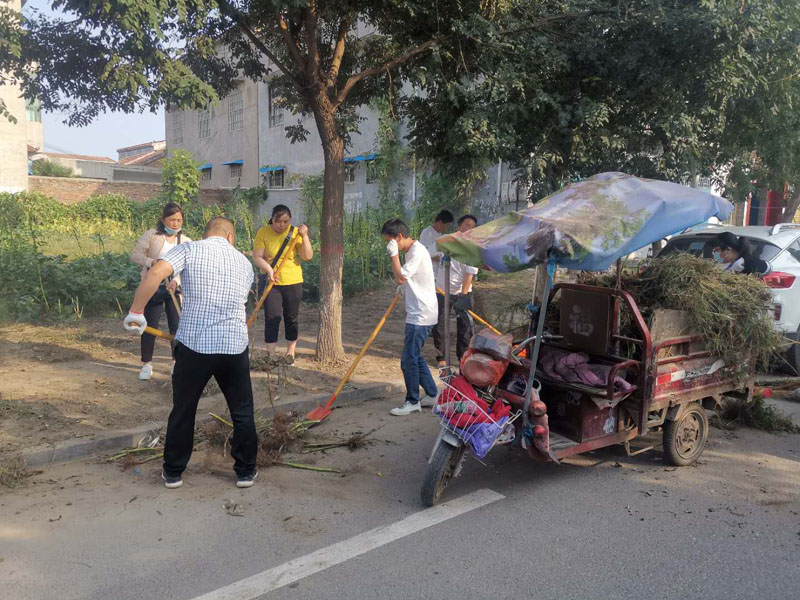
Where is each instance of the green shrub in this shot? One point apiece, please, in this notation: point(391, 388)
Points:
point(33, 285)
point(47, 168)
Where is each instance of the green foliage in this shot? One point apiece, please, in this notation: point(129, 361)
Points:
point(33, 285)
point(180, 177)
point(47, 168)
point(661, 89)
point(54, 258)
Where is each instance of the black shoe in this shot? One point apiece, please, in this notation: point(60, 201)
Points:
point(288, 360)
point(246, 481)
point(171, 482)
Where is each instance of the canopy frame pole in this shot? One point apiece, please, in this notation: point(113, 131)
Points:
point(446, 315)
point(537, 344)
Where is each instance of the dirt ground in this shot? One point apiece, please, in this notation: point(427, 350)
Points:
point(80, 380)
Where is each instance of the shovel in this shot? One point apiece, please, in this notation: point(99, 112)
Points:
point(323, 411)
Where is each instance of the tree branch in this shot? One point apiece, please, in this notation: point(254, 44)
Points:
point(240, 20)
point(395, 62)
point(291, 44)
point(547, 20)
point(311, 21)
point(338, 50)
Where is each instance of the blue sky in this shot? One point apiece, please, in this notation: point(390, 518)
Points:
point(106, 133)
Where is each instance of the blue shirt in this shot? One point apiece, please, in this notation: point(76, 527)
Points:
point(216, 280)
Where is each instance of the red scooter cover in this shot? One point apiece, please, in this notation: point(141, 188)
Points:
point(482, 370)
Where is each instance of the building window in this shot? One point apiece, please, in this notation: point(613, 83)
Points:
point(275, 108)
point(204, 124)
point(235, 171)
point(275, 179)
point(373, 172)
point(235, 111)
point(350, 173)
point(205, 175)
point(33, 110)
point(177, 127)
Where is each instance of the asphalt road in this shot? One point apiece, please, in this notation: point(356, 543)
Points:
point(602, 526)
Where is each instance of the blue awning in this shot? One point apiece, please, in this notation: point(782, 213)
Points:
point(270, 169)
point(234, 162)
point(204, 167)
point(360, 157)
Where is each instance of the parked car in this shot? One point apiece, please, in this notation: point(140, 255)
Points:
point(779, 247)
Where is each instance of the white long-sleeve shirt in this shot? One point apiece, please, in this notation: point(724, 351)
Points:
point(428, 239)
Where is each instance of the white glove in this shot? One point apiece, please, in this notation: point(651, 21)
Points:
point(401, 290)
point(135, 322)
point(392, 248)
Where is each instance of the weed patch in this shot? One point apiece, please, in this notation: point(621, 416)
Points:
point(757, 414)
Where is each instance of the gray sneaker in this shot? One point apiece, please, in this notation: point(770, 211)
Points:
point(429, 401)
point(406, 409)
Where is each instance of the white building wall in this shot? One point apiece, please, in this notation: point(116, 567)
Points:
point(222, 145)
point(13, 136)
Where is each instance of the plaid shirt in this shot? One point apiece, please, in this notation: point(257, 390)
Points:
point(216, 282)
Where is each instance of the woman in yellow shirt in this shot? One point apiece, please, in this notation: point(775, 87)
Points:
point(284, 298)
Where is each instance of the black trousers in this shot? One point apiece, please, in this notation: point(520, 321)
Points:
point(192, 372)
point(152, 313)
point(465, 329)
point(283, 302)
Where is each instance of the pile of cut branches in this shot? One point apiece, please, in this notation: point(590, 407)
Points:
point(284, 433)
point(732, 312)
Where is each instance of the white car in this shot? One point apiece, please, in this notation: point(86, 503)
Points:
point(779, 247)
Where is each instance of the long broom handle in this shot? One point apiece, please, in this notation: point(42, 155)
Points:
point(159, 333)
point(476, 317)
point(361, 354)
point(174, 299)
point(268, 289)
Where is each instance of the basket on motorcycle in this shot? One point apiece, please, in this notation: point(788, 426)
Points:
point(470, 417)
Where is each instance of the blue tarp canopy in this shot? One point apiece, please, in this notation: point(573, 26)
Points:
point(270, 169)
point(204, 167)
point(586, 225)
point(234, 162)
point(360, 157)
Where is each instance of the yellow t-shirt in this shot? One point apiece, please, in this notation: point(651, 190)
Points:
point(268, 240)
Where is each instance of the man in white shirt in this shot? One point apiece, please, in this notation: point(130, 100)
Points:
point(461, 277)
point(211, 341)
point(441, 224)
point(419, 288)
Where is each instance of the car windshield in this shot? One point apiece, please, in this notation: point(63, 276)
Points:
point(703, 246)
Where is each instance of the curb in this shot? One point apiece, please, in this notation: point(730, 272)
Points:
point(76, 449)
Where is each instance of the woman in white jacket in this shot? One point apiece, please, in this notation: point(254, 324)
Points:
point(154, 244)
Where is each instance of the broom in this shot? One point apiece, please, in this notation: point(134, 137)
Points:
point(323, 411)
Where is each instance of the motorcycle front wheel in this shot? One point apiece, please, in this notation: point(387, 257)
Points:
point(441, 469)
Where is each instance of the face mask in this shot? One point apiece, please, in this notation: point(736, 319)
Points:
point(170, 230)
point(717, 256)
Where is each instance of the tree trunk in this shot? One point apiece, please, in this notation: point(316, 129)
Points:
point(329, 338)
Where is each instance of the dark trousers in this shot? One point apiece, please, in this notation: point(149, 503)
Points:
point(152, 313)
point(283, 301)
point(192, 372)
point(465, 329)
point(415, 370)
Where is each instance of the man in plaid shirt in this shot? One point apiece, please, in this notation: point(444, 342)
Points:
point(211, 341)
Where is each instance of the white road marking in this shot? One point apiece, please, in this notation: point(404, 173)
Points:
point(304, 566)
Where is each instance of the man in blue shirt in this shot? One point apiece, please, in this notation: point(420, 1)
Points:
point(211, 341)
